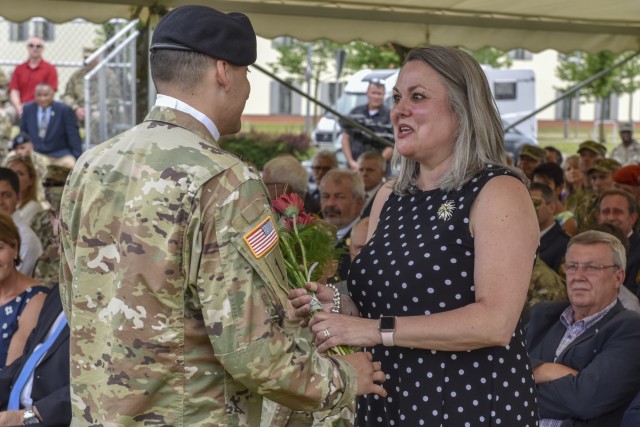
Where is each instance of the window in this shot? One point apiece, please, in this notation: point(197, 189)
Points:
point(281, 41)
point(43, 29)
point(20, 32)
point(520, 54)
point(284, 99)
point(505, 90)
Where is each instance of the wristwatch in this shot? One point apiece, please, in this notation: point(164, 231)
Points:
point(387, 327)
point(29, 417)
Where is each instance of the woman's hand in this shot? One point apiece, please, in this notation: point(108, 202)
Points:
point(330, 330)
point(301, 300)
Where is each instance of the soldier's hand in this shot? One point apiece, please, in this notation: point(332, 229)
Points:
point(301, 300)
point(368, 373)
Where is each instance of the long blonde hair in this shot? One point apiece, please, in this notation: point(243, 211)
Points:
point(480, 136)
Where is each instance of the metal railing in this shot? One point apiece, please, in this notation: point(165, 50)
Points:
point(110, 87)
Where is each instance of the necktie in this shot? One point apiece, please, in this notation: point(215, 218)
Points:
point(44, 122)
point(30, 366)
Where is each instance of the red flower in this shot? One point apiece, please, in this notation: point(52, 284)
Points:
point(289, 205)
point(302, 219)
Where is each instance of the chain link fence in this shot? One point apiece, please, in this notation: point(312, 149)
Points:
point(99, 86)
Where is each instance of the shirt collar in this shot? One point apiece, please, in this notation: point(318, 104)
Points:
point(343, 231)
point(568, 316)
point(171, 102)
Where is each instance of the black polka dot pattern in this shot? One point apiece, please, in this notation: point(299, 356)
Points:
point(420, 261)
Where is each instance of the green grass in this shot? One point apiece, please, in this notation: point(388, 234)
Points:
point(547, 135)
point(555, 136)
point(272, 128)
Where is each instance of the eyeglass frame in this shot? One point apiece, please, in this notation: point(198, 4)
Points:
point(588, 268)
point(33, 45)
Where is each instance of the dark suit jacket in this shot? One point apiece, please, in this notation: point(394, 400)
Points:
point(632, 416)
point(633, 263)
point(62, 137)
point(366, 210)
point(553, 246)
point(605, 356)
point(345, 259)
point(51, 392)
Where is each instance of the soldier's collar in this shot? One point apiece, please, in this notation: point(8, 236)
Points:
point(171, 102)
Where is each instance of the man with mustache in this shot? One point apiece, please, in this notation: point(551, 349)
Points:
point(342, 199)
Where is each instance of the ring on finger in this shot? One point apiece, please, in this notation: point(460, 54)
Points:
point(326, 334)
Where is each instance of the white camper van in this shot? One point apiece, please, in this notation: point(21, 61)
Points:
point(513, 90)
point(328, 130)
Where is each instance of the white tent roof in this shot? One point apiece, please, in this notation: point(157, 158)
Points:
point(564, 25)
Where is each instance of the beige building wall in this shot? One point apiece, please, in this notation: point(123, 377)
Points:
point(65, 51)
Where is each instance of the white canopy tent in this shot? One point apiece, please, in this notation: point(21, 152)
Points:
point(564, 25)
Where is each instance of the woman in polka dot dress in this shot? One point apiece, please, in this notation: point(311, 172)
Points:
point(451, 250)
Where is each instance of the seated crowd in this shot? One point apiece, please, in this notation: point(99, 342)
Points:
point(582, 305)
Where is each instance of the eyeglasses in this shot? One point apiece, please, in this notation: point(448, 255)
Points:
point(321, 168)
point(588, 268)
point(39, 46)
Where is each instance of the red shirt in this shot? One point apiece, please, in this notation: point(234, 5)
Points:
point(25, 79)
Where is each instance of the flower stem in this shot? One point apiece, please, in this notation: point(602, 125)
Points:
point(302, 251)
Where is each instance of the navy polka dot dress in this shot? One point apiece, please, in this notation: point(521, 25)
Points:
point(420, 262)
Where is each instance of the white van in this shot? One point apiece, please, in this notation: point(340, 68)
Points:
point(328, 130)
point(513, 90)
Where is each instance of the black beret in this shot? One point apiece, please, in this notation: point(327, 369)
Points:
point(205, 30)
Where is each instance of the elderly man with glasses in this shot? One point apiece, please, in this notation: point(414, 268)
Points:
point(31, 73)
point(584, 352)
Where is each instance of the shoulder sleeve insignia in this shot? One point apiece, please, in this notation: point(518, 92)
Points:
point(262, 238)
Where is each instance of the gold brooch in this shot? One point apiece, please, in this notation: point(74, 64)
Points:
point(445, 211)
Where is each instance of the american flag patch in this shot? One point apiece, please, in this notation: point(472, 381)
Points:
point(262, 238)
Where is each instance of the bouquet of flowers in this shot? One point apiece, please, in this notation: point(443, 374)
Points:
point(308, 247)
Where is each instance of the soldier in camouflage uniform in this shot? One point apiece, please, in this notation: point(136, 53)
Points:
point(47, 269)
point(172, 280)
point(7, 115)
point(600, 176)
point(74, 96)
point(581, 202)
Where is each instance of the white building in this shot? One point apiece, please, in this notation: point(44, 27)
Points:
point(64, 43)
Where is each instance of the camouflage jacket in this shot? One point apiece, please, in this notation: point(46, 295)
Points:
point(546, 285)
point(175, 306)
point(74, 90)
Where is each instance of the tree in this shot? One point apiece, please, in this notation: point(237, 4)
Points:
point(578, 66)
point(629, 79)
point(490, 56)
point(293, 59)
point(364, 55)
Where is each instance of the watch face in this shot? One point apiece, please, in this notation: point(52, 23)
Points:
point(387, 323)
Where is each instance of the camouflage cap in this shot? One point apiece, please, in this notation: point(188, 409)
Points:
point(593, 146)
point(605, 165)
point(55, 176)
point(628, 175)
point(626, 127)
point(533, 151)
